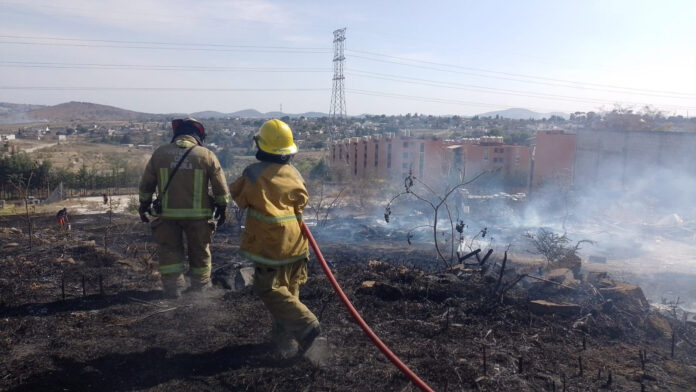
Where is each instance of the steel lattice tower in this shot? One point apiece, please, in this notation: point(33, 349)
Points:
point(337, 111)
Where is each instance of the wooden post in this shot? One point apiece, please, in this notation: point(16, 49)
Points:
point(101, 285)
point(62, 286)
point(84, 289)
point(673, 341)
point(580, 365)
point(484, 360)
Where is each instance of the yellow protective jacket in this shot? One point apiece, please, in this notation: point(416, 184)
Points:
point(187, 195)
point(274, 195)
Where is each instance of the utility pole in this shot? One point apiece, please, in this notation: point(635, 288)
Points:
point(337, 112)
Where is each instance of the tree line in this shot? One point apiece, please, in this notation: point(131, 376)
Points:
point(19, 172)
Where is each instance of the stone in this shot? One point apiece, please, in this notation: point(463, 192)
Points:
point(564, 276)
point(594, 277)
point(625, 292)
point(657, 326)
point(381, 290)
point(233, 277)
point(11, 245)
point(244, 278)
point(570, 261)
point(541, 306)
point(368, 284)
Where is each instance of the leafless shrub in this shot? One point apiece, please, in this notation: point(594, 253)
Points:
point(322, 202)
point(554, 247)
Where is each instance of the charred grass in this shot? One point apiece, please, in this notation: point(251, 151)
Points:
point(450, 326)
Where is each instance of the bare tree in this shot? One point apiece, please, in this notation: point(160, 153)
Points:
point(322, 203)
point(22, 188)
point(436, 203)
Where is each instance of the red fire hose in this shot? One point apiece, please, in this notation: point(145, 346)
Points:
point(368, 331)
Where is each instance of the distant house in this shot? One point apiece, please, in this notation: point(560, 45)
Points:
point(7, 137)
point(62, 137)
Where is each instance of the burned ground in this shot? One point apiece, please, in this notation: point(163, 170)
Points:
point(453, 327)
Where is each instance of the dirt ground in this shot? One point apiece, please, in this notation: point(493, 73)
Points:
point(454, 328)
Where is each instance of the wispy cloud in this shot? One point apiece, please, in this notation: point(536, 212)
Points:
point(157, 16)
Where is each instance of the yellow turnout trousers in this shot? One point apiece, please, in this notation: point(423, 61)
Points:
point(279, 289)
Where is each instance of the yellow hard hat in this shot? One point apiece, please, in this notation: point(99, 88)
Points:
point(275, 137)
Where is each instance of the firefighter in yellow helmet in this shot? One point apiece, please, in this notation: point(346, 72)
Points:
point(274, 195)
point(182, 171)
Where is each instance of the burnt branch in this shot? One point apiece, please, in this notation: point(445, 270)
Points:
point(441, 201)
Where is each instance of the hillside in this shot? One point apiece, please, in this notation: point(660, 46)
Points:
point(85, 111)
point(521, 114)
point(16, 112)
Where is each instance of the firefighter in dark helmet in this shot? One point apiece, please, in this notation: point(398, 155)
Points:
point(181, 171)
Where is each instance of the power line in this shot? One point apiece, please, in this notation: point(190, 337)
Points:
point(683, 96)
point(455, 66)
point(529, 94)
point(161, 43)
point(358, 73)
point(259, 49)
point(29, 64)
point(421, 99)
point(110, 88)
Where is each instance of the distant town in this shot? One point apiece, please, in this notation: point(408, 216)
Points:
point(523, 153)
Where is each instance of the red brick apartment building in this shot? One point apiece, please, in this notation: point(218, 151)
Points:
point(554, 157)
point(389, 156)
point(473, 156)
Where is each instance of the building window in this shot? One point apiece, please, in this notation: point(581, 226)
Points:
point(485, 154)
point(421, 159)
point(364, 155)
point(405, 144)
point(405, 156)
point(389, 149)
point(376, 154)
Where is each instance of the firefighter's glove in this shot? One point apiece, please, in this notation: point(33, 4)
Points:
point(220, 215)
point(144, 209)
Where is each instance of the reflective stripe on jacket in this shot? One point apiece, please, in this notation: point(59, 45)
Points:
point(275, 196)
point(187, 195)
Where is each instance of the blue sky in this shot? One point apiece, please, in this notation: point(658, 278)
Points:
point(437, 57)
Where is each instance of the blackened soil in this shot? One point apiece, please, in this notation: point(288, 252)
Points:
point(451, 328)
